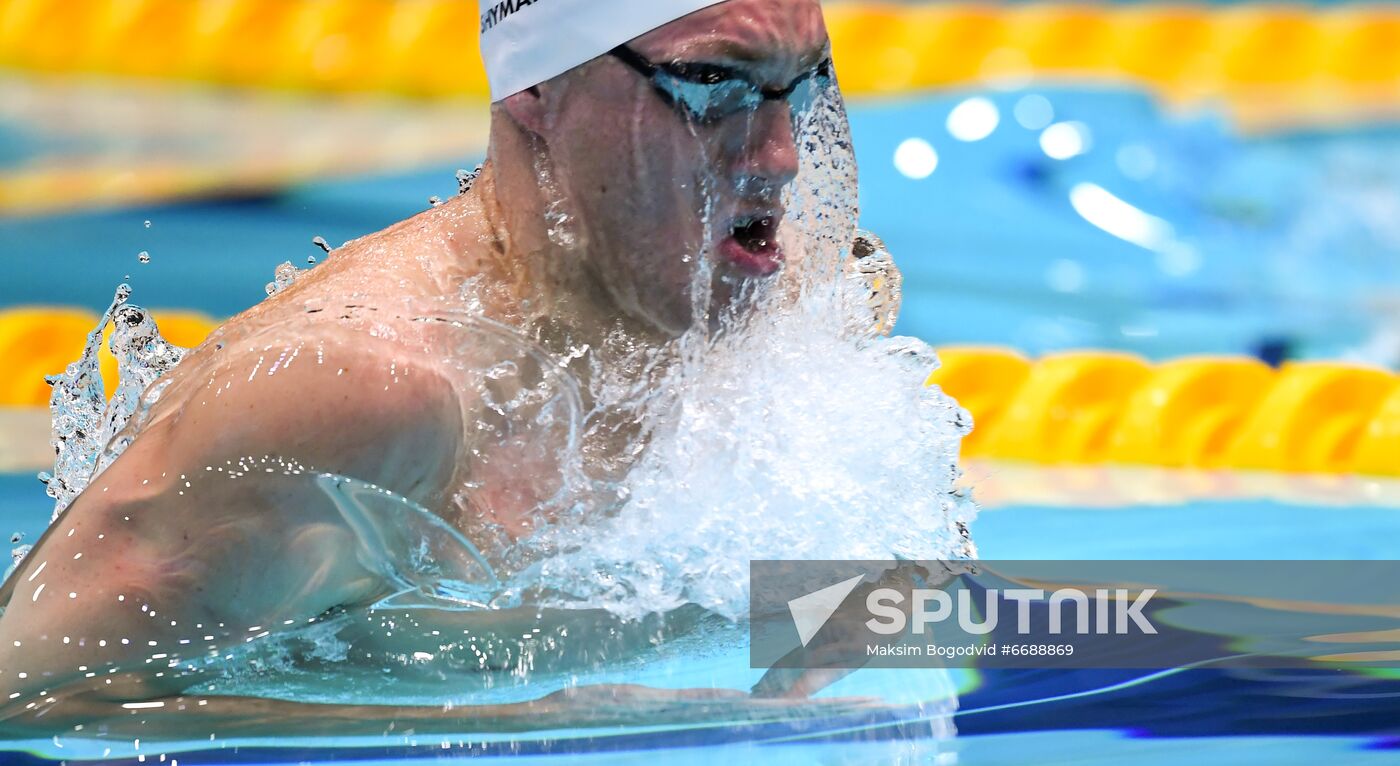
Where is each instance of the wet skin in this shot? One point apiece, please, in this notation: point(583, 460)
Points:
point(187, 546)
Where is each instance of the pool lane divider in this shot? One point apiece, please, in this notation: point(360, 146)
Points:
point(1269, 65)
point(37, 341)
point(1272, 55)
point(1066, 409)
point(1206, 412)
point(1267, 62)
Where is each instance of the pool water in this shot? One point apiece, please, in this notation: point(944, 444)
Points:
point(1285, 242)
point(1169, 234)
point(1002, 716)
point(1281, 245)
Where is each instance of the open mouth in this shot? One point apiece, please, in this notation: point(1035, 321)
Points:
point(752, 246)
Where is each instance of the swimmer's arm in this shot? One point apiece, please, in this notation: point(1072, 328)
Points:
point(107, 611)
point(209, 555)
point(132, 705)
point(553, 640)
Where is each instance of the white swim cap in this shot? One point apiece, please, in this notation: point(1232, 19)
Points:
point(525, 42)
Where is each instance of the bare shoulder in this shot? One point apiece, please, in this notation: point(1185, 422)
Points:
point(378, 405)
point(213, 516)
point(425, 255)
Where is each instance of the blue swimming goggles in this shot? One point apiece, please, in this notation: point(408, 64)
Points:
point(708, 93)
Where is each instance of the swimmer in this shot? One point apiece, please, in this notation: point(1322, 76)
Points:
point(626, 136)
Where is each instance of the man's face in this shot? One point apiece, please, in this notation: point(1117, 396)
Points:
point(654, 190)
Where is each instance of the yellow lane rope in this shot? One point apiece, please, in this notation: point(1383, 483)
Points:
point(1249, 54)
point(39, 341)
point(1268, 64)
point(1204, 48)
point(410, 47)
point(1094, 407)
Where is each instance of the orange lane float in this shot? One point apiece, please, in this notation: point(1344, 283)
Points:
point(1266, 64)
point(42, 341)
point(428, 48)
point(1095, 407)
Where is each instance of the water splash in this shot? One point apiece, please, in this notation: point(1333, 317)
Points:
point(802, 446)
point(285, 276)
point(85, 425)
point(792, 430)
point(144, 359)
point(76, 406)
point(466, 179)
point(873, 270)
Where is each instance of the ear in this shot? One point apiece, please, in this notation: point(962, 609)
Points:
point(528, 109)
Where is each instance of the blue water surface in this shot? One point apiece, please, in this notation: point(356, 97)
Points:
point(1285, 243)
point(1004, 716)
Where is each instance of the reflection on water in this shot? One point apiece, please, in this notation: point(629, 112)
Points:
point(1103, 218)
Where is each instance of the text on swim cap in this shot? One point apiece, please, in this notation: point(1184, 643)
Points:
point(498, 12)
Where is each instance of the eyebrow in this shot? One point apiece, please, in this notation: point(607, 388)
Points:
point(740, 53)
point(737, 52)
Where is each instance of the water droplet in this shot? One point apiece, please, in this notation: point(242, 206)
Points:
point(85, 425)
point(282, 278)
point(503, 370)
point(148, 224)
point(466, 179)
point(310, 260)
point(17, 555)
point(143, 257)
point(321, 243)
point(435, 200)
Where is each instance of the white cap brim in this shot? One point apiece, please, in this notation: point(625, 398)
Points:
point(525, 42)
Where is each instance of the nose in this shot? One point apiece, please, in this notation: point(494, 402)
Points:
point(767, 146)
